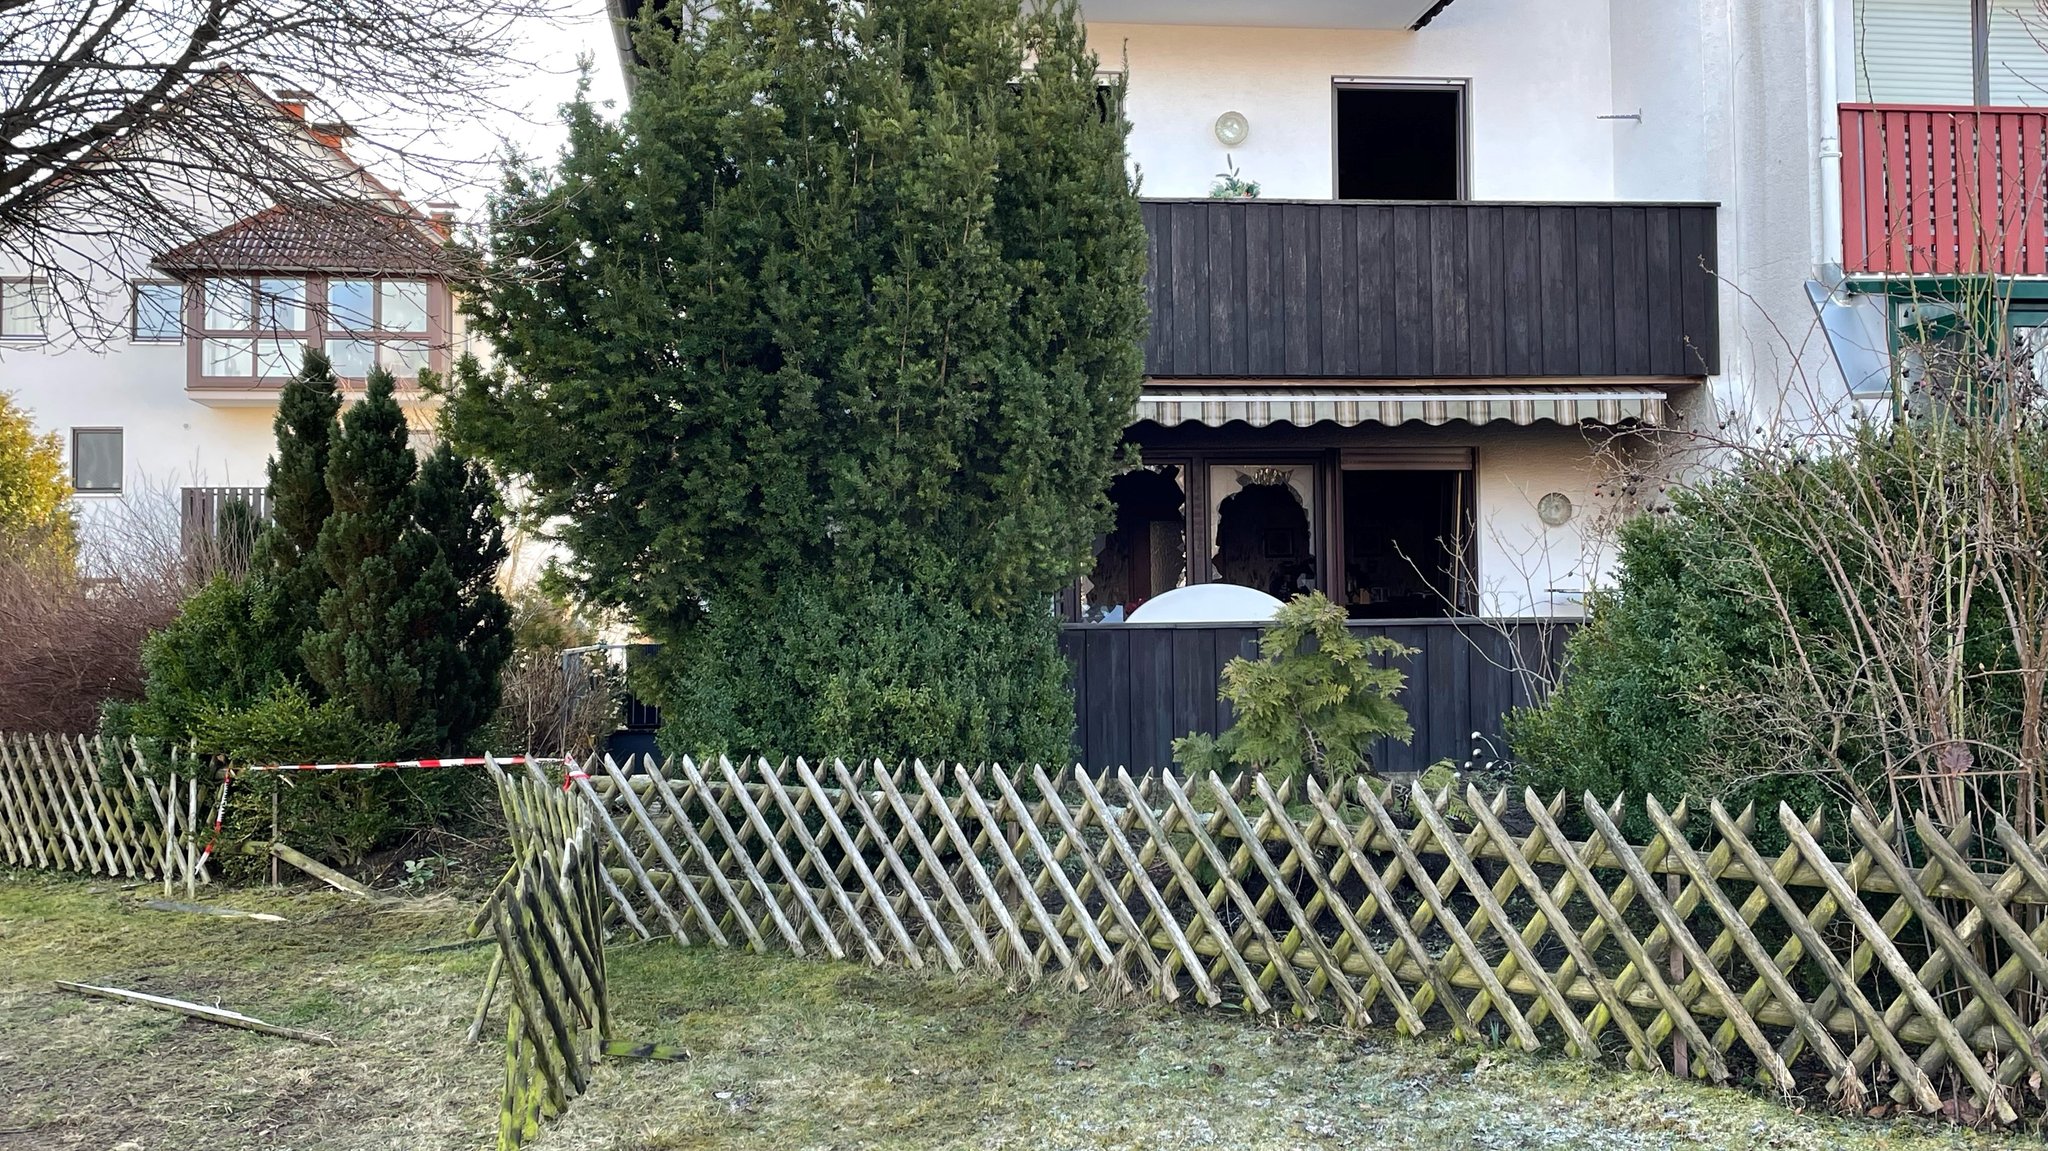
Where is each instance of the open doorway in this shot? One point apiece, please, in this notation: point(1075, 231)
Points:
point(1398, 142)
point(1404, 543)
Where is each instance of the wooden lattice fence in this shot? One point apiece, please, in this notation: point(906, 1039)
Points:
point(547, 917)
point(1478, 916)
point(70, 803)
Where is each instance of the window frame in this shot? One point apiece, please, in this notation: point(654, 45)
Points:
point(321, 330)
point(1980, 55)
point(330, 329)
point(178, 316)
point(1460, 84)
point(120, 435)
point(8, 284)
point(255, 334)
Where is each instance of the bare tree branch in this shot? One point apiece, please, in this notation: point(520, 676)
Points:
point(129, 127)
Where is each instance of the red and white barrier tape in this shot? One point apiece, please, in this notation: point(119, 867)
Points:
point(227, 778)
point(469, 761)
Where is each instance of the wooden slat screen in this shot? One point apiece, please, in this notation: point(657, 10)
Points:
point(1351, 290)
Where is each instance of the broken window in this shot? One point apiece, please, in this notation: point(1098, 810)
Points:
point(1263, 527)
point(1145, 552)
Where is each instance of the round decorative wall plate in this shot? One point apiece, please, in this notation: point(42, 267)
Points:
point(1554, 509)
point(1233, 129)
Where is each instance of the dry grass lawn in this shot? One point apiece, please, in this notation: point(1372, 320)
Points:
point(786, 1054)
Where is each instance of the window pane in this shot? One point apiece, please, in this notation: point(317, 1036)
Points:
point(1399, 143)
point(225, 358)
point(24, 307)
point(350, 305)
point(227, 306)
point(1913, 51)
point(405, 306)
point(1145, 552)
point(283, 304)
point(96, 459)
point(2018, 53)
point(158, 311)
point(404, 358)
point(351, 358)
point(276, 359)
point(1259, 526)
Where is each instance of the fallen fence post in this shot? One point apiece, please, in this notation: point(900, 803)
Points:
point(219, 1015)
point(322, 872)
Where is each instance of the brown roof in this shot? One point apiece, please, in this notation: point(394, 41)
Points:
point(336, 239)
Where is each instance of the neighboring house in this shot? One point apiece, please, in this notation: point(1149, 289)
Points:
point(1943, 177)
point(172, 415)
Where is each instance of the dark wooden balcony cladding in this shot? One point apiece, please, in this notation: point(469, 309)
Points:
point(1270, 289)
point(1138, 687)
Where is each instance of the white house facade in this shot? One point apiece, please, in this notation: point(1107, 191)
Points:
point(161, 369)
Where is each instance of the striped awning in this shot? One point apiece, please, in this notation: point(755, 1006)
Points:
point(1350, 406)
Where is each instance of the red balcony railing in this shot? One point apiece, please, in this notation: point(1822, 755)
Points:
point(1938, 190)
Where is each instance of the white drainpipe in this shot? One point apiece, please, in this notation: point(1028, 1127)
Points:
point(1830, 151)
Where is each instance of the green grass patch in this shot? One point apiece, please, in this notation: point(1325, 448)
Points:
point(785, 1053)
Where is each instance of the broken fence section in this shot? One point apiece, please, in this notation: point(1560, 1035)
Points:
point(1478, 916)
point(70, 803)
point(547, 915)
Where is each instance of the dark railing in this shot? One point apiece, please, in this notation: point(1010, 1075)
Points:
point(1138, 687)
point(1263, 288)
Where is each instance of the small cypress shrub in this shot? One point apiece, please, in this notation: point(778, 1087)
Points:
point(378, 646)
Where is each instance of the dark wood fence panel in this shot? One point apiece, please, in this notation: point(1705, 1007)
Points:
point(1260, 288)
point(1139, 687)
point(199, 512)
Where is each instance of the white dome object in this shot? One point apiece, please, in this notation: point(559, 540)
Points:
point(1207, 603)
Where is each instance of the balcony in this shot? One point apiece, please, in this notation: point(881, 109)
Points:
point(1941, 190)
point(199, 512)
point(1376, 290)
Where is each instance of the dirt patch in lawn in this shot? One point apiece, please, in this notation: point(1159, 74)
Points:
point(785, 1053)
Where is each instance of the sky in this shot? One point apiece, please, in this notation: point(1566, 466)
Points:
point(533, 91)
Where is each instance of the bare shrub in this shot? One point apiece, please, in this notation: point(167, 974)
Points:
point(74, 627)
point(554, 706)
point(558, 695)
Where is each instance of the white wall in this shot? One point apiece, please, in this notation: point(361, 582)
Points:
point(169, 441)
point(1527, 567)
point(1539, 73)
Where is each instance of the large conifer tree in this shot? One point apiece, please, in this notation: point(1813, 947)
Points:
point(828, 364)
point(379, 647)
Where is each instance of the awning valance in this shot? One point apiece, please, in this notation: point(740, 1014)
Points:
point(1350, 406)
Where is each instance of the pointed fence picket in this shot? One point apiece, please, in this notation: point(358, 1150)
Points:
point(1481, 916)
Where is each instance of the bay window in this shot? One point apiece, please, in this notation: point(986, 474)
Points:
point(380, 323)
point(256, 329)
